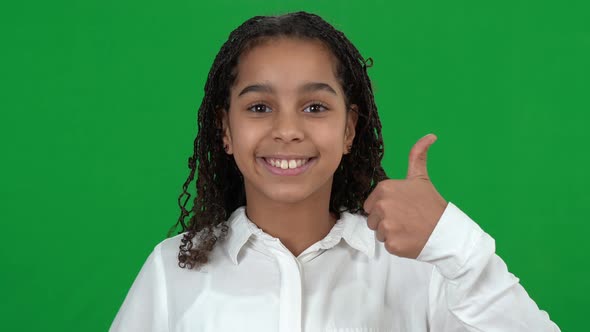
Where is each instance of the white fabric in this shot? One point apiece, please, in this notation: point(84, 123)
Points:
point(345, 282)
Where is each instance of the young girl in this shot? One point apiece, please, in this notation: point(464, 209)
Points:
point(296, 227)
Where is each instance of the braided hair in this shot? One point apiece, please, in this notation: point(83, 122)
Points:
point(220, 185)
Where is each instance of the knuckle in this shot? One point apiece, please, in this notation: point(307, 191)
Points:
point(389, 185)
point(387, 226)
point(380, 236)
point(380, 205)
point(381, 227)
point(391, 247)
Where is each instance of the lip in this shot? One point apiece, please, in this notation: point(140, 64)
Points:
point(286, 156)
point(288, 171)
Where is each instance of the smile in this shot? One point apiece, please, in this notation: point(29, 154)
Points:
point(286, 166)
point(285, 163)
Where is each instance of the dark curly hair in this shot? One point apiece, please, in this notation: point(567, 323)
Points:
point(220, 185)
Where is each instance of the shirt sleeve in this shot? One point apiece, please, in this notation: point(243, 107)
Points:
point(145, 308)
point(471, 288)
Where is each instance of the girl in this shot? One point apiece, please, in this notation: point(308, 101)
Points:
point(296, 227)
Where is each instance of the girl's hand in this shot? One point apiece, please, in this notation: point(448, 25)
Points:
point(405, 212)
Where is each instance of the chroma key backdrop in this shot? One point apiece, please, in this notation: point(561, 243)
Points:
point(99, 100)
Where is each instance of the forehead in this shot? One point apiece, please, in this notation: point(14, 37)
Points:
point(287, 63)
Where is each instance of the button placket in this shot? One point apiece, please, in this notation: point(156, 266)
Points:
point(290, 289)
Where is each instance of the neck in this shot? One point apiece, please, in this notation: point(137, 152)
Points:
point(299, 224)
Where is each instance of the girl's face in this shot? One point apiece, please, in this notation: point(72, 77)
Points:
point(287, 109)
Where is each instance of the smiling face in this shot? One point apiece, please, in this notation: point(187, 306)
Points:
point(287, 126)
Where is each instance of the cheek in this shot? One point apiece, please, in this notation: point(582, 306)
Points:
point(246, 138)
point(329, 136)
point(243, 143)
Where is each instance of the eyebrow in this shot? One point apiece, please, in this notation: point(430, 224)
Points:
point(305, 88)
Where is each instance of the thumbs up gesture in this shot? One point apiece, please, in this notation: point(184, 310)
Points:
point(403, 213)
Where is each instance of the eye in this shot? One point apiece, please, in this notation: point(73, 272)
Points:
point(316, 107)
point(259, 108)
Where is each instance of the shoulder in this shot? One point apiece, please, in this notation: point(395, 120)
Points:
point(164, 255)
point(168, 249)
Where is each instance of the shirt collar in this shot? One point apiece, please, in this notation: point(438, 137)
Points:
point(352, 227)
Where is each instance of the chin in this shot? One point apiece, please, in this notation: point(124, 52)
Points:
point(287, 196)
point(286, 192)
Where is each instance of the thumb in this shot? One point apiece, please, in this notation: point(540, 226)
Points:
point(417, 160)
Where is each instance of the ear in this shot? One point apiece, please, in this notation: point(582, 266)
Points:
point(225, 130)
point(350, 130)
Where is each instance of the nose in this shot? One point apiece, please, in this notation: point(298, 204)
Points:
point(287, 126)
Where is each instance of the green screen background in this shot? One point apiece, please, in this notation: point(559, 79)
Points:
point(99, 101)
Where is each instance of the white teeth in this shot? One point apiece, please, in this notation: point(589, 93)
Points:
point(286, 164)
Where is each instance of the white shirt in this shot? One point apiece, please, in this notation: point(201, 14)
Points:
point(345, 282)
